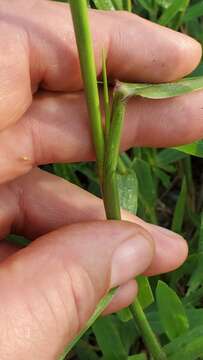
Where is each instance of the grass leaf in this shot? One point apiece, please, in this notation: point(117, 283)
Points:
point(145, 294)
point(162, 91)
point(124, 315)
point(197, 277)
point(170, 13)
point(128, 191)
point(195, 149)
point(104, 4)
point(187, 347)
point(100, 308)
point(138, 357)
point(84, 352)
point(171, 311)
point(194, 11)
point(179, 212)
point(109, 339)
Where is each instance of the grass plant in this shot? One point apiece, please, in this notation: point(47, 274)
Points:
point(170, 180)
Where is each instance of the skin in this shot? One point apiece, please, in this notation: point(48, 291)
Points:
point(51, 288)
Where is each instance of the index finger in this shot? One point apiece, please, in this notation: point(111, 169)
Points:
point(39, 50)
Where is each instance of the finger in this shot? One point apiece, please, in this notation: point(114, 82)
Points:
point(49, 135)
point(15, 88)
point(125, 295)
point(36, 37)
point(51, 288)
point(7, 250)
point(41, 202)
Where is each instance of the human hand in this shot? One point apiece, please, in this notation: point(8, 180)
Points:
point(50, 289)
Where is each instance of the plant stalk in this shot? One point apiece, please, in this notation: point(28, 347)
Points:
point(110, 189)
point(127, 5)
point(86, 54)
point(107, 158)
point(112, 207)
point(150, 340)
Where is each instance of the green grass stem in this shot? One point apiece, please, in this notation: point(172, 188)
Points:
point(110, 189)
point(107, 156)
point(79, 12)
point(150, 340)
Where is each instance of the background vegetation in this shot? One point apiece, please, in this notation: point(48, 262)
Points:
point(168, 190)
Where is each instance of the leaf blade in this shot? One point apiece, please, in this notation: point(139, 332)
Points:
point(171, 311)
point(162, 91)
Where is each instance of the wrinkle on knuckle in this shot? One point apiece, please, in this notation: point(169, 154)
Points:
point(83, 292)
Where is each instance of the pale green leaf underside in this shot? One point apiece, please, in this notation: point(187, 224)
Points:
point(162, 91)
point(195, 149)
point(128, 192)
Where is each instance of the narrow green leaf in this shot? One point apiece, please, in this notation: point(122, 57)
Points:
point(195, 317)
point(108, 338)
point(179, 212)
point(129, 328)
point(138, 357)
point(163, 177)
point(118, 4)
point(145, 295)
point(112, 149)
point(147, 5)
point(195, 149)
point(168, 156)
point(67, 172)
point(171, 311)
point(194, 11)
point(197, 277)
point(146, 185)
point(185, 270)
point(170, 13)
point(100, 308)
point(18, 240)
point(192, 351)
point(162, 91)
point(164, 3)
point(84, 351)
point(194, 299)
point(188, 346)
point(128, 191)
point(124, 315)
point(104, 4)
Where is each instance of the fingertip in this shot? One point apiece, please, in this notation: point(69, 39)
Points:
point(187, 55)
point(165, 55)
point(180, 248)
point(171, 253)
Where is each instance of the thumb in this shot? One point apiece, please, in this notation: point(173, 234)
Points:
point(51, 288)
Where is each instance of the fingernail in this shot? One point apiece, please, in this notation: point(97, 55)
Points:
point(130, 259)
